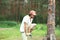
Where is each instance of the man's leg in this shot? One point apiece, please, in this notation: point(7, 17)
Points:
point(32, 27)
point(24, 37)
point(30, 30)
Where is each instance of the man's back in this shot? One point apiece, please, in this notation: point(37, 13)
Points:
point(27, 20)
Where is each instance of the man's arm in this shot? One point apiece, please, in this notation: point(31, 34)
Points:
point(25, 26)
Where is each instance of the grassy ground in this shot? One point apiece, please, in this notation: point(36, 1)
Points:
point(11, 31)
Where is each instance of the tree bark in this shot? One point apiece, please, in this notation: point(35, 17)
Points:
point(51, 20)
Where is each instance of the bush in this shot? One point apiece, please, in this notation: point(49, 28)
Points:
point(8, 23)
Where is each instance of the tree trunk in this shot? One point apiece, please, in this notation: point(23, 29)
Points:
point(51, 20)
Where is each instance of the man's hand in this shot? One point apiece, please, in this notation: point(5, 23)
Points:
point(28, 34)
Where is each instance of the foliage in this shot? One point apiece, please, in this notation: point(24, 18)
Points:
point(7, 24)
point(15, 10)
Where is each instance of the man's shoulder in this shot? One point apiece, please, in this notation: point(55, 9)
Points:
point(26, 18)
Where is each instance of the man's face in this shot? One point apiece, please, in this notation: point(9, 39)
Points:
point(32, 16)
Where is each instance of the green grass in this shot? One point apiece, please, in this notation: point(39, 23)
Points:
point(8, 32)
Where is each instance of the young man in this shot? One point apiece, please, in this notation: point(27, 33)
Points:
point(26, 25)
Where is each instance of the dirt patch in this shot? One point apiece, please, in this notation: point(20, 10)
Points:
point(58, 38)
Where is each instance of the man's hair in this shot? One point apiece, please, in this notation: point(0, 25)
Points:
point(29, 14)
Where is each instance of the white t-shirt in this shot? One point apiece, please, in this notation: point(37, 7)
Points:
point(26, 19)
